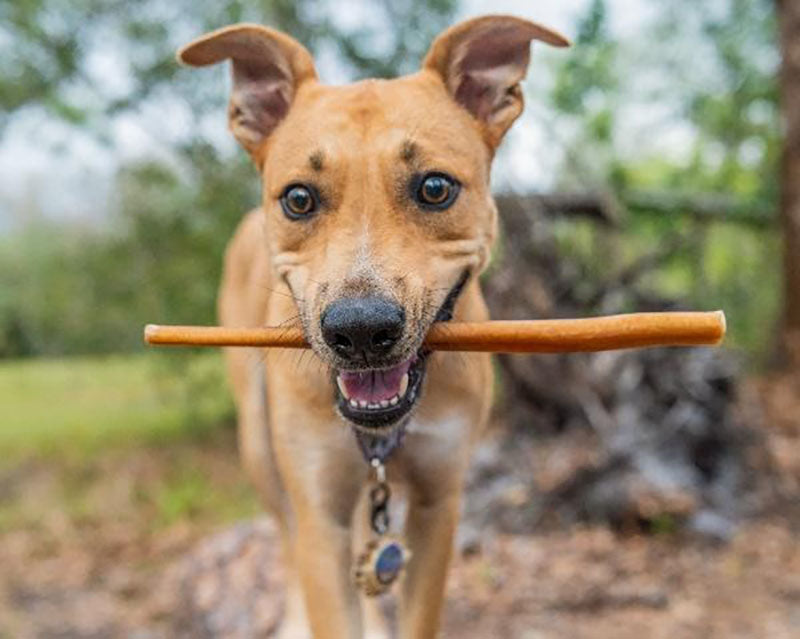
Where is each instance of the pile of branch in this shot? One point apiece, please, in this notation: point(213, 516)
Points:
point(662, 440)
point(609, 209)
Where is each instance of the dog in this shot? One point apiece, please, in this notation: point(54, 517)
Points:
point(376, 221)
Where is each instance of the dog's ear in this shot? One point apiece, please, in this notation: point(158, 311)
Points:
point(482, 61)
point(268, 68)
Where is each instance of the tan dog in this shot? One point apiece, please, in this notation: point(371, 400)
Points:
point(376, 221)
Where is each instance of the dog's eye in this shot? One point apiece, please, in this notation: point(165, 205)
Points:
point(436, 191)
point(299, 201)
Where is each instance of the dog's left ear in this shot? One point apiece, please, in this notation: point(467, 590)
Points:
point(482, 61)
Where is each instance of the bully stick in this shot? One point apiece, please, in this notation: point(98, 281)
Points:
point(527, 336)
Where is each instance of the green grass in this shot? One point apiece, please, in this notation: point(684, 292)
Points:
point(190, 494)
point(143, 437)
point(76, 406)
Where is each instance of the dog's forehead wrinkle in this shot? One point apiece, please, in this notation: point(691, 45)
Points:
point(316, 160)
point(408, 150)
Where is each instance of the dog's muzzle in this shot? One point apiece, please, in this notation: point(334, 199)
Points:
point(371, 391)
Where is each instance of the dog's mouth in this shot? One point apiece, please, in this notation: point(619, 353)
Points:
point(380, 397)
point(374, 400)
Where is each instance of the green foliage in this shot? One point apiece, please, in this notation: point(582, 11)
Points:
point(56, 288)
point(707, 69)
point(727, 80)
point(731, 100)
point(175, 228)
point(49, 50)
point(589, 71)
point(586, 97)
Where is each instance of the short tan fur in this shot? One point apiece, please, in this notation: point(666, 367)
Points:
point(362, 147)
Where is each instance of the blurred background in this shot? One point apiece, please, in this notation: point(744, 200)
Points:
point(650, 493)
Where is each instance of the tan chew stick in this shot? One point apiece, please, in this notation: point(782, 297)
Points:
point(612, 332)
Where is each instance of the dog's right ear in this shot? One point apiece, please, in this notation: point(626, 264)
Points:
point(268, 68)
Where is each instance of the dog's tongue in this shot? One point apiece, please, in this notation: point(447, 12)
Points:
point(376, 385)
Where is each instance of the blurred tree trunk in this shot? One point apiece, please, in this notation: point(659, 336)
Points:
point(789, 25)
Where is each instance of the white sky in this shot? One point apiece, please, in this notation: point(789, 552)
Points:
point(75, 181)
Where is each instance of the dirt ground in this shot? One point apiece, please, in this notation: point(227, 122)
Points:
point(104, 570)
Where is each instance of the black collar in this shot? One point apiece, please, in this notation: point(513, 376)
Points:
point(380, 446)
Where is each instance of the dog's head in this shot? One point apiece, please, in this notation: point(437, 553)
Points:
point(376, 195)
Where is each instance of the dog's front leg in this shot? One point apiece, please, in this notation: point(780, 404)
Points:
point(322, 551)
point(430, 529)
point(324, 481)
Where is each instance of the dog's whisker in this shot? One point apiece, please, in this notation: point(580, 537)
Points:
point(272, 289)
point(259, 356)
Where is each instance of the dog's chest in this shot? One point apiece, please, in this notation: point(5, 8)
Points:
point(434, 446)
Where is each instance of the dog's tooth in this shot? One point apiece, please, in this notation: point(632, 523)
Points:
point(384, 403)
point(394, 400)
point(403, 385)
point(362, 404)
point(342, 389)
point(373, 406)
point(353, 403)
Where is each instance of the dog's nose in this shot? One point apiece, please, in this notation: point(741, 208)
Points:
point(362, 326)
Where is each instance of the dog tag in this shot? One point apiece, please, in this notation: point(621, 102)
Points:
point(384, 558)
point(382, 562)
